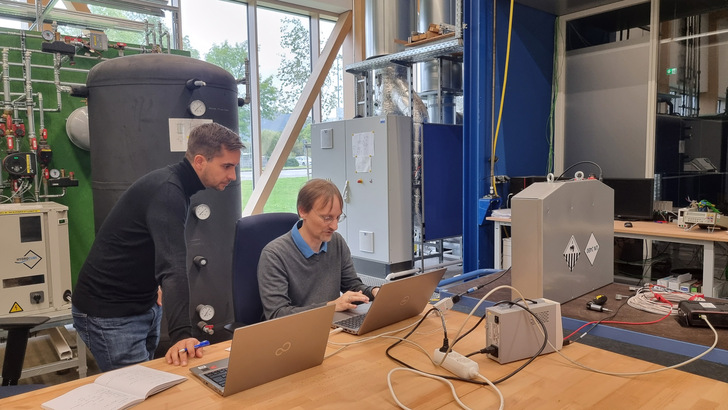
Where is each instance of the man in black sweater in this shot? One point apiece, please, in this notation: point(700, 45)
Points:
point(140, 250)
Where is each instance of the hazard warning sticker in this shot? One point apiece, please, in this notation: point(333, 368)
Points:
point(16, 308)
point(592, 248)
point(571, 253)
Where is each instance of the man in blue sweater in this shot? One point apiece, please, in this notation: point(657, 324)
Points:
point(141, 249)
point(311, 266)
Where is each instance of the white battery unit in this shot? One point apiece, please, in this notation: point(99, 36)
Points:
point(517, 335)
point(35, 266)
point(562, 239)
point(370, 159)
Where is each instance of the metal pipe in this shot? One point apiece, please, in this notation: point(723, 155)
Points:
point(146, 32)
point(41, 123)
point(57, 79)
point(29, 98)
point(6, 80)
point(41, 116)
point(458, 18)
point(63, 193)
point(399, 274)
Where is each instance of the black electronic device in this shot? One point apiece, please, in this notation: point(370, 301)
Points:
point(21, 164)
point(689, 313)
point(633, 197)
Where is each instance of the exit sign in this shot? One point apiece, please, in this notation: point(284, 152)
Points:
point(671, 71)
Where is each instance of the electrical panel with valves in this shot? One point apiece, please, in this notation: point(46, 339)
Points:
point(26, 155)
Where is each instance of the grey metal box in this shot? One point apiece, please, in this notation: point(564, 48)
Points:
point(518, 335)
point(562, 239)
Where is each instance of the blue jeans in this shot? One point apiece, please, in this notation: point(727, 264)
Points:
point(120, 341)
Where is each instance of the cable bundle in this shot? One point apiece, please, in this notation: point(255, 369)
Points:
point(660, 300)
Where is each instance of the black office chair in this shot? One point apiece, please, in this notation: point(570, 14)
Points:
point(252, 234)
point(18, 329)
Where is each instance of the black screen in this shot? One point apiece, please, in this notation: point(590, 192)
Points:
point(30, 229)
point(633, 197)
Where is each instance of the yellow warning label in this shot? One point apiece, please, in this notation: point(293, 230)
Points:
point(20, 211)
point(16, 308)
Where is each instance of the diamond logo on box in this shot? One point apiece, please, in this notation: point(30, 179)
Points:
point(592, 248)
point(571, 253)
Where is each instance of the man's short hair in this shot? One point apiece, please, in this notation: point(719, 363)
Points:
point(209, 139)
point(315, 189)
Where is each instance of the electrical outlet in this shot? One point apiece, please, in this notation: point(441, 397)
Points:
point(457, 364)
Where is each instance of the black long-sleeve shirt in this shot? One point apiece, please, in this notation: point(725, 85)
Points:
point(141, 245)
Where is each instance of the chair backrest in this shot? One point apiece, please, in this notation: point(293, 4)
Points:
point(252, 234)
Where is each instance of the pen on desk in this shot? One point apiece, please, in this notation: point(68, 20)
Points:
point(197, 346)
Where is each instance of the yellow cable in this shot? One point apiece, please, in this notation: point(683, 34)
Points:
point(503, 94)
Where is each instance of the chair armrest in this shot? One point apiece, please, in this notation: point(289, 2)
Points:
point(230, 327)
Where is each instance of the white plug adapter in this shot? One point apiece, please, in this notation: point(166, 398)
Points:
point(457, 364)
point(444, 304)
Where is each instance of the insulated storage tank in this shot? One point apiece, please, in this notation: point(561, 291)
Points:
point(441, 80)
point(141, 108)
point(385, 22)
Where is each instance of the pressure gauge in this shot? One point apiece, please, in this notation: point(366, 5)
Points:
point(197, 108)
point(47, 35)
point(54, 173)
point(206, 312)
point(202, 211)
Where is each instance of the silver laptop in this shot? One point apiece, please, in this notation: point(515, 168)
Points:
point(395, 301)
point(270, 350)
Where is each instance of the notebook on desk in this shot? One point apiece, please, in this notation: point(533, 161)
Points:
point(395, 301)
point(269, 350)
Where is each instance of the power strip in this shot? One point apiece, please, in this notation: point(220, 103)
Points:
point(457, 364)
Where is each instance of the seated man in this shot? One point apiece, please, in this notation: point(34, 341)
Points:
point(311, 265)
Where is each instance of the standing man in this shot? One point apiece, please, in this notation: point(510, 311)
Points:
point(311, 266)
point(141, 249)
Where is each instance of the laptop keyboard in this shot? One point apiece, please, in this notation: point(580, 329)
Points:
point(218, 376)
point(353, 322)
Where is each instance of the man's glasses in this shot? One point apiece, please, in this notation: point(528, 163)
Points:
point(328, 218)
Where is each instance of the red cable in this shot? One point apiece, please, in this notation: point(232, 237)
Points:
point(618, 323)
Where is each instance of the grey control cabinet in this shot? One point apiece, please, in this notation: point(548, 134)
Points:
point(562, 239)
point(370, 160)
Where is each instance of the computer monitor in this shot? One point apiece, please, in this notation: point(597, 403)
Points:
point(633, 197)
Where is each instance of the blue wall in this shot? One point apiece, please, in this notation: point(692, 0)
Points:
point(522, 147)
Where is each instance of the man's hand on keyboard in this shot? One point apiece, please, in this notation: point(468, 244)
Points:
point(350, 300)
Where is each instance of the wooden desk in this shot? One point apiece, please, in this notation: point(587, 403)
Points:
point(648, 231)
point(669, 232)
point(357, 378)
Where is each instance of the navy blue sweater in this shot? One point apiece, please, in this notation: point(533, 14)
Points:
point(141, 245)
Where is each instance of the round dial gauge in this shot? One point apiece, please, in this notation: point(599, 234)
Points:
point(206, 312)
point(202, 211)
point(47, 35)
point(197, 108)
point(54, 173)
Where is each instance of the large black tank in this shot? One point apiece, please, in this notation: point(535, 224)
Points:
point(131, 103)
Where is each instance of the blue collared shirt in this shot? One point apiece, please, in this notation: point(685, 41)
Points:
point(301, 244)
